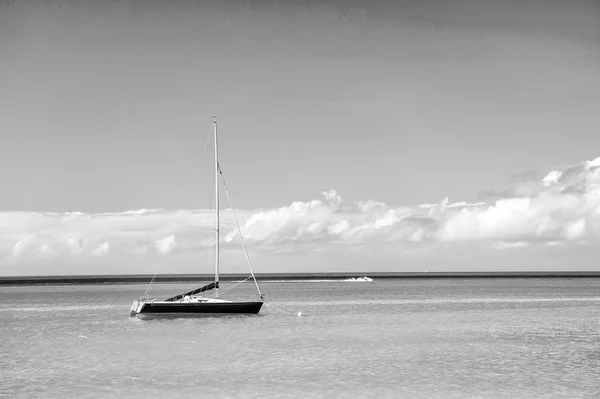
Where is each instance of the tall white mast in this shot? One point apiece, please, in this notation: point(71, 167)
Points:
point(216, 208)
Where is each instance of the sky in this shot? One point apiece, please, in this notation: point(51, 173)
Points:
point(453, 135)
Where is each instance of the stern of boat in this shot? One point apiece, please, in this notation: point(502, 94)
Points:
point(136, 307)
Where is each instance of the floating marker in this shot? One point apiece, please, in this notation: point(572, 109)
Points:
point(299, 314)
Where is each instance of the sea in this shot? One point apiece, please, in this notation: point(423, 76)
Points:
point(388, 338)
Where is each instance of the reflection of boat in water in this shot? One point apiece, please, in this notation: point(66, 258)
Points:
point(191, 305)
point(359, 279)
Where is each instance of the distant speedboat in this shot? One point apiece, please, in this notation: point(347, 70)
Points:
point(359, 279)
point(190, 304)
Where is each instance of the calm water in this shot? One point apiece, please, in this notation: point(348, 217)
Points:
point(445, 338)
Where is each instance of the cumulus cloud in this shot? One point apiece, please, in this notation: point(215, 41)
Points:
point(165, 245)
point(562, 207)
point(101, 250)
point(509, 245)
point(565, 206)
point(25, 235)
point(328, 218)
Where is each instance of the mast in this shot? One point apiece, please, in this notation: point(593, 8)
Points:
point(216, 208)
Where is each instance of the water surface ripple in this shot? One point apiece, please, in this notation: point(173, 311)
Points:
point(414, 338)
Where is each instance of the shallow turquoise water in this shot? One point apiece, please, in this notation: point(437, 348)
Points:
point(412, 338)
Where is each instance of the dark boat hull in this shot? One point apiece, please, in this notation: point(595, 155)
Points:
point(186, 309)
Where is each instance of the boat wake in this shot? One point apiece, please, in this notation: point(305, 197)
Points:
point(445, 301)
point(359, 279)
point(329, 280)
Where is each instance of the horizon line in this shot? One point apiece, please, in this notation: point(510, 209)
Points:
point(167, 278)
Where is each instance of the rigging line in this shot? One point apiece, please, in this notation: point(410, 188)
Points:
point(280, 310)
point(225, 290)
point(151, 281)
point(235, 285)
point(240, 232)
point(186, 198)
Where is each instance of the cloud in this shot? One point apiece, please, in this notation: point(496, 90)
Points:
point(42, 235)
point(562, 207)
point(23, 246)
point(565, 206)
point(165, 245)
point(509, 245)
point(101, 250)
point(327, 219)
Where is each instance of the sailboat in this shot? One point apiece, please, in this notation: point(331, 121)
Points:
point(190, 304)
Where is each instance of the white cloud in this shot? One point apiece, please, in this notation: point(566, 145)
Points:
point(137, 250)
point(564, 207)
point(23, 246)
point(466, 205)
point(551, 178)
point(74, 244)
point(165, 245)
point(509, 245)
point(339, 227)
point(101, 250)
point(575, 230)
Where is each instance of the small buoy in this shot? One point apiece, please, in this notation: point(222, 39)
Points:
point(299, 314)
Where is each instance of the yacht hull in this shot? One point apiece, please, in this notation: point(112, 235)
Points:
point(187, 310)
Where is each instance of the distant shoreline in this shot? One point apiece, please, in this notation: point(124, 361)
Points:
point(182, 278)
